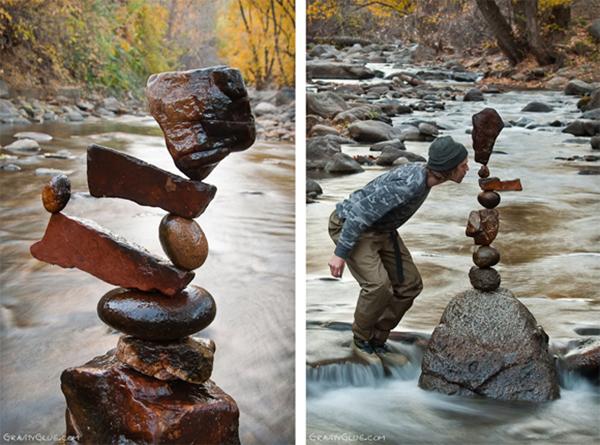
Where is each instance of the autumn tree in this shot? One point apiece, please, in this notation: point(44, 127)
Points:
point(258, 37)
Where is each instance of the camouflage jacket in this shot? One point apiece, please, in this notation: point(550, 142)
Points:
point(383, 205)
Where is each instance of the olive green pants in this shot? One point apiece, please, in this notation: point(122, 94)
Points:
point(383, 299)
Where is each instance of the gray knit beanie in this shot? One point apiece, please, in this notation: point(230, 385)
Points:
point(445, 154)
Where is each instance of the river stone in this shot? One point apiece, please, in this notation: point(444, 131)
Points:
point(183, 241)
point(342, 163)
point(313, 188)
point(483, 226)
point(56, 194)
point(265, 108)
point(380, 146)
point(487, 125)
point(372, 131)
point(337, 70)
point(489, 200)
point(204, 113)
point(484, 171)
point(390, 155)
point(595, 142)
point(110, 403)
point(51, 171)
point(584, 361)
point(321, 149)
point(23, 146)
point(473, 95)
point(594, 30)
point(583, 127)
point(485, 280)
point(157, 317)
point(73, 242)
point(38, 137)
point(538, 107)
point(10, 168)
point(489, 344)
point(486, 256)
point(578, 88)
point(188, 359)
point(592, 105)
point(360, 113)
point(326, 104)
point(111, 173)
point(593, 114)
point(428, 129)
point(322, 130)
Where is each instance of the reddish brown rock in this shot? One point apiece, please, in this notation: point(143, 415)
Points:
point(205, 114)
point(486, 280)
point(489, 200)
point(484, 171)
point(56, 194)
point(483, 226)
point(183, 241)
point(486, 256)
point(153, 316)
point(495, 184)
point(111, 173)
point(190, 360)
point(487, 125)
point(72, 242)
point(110, 403)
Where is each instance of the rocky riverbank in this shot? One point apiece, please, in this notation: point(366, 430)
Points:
point(364, 95)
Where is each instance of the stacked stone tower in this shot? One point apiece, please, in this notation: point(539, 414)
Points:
point(155, 386)
point(483, 225)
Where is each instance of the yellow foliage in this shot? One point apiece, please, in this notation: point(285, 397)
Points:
point(259, 40)
point(549, 4)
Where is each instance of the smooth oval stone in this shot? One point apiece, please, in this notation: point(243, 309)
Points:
point(489, 199)
point(485, 280)
point(484, 171)
point(486, 256)
point(56, 194)
point(183, 241)
point(158, 317)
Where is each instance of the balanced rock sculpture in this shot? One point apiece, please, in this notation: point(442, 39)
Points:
point(155, 386)
point(487, 342)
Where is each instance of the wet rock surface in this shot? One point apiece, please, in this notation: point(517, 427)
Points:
point(337, 70)
point(56, 194)
point(485, 280)
point(483, 226)
point(156, 317)
point(110, 403)
point(372, 131)
point(326, 105)
point(204, 114)
point(189, 360)
point(72, 242)
point(489, 344)
point(183, 241)
point(486, 256)
point(114, 174)
point(488, 199)
point(487, 125)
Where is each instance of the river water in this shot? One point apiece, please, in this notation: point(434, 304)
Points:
point(548, 241)
point(48, 314)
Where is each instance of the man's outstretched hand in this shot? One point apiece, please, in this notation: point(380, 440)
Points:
point(336, 266)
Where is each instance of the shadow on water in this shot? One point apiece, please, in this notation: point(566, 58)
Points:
point(48, 318)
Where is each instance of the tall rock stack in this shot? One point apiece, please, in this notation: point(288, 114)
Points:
point(487, 342)
point(155, 386)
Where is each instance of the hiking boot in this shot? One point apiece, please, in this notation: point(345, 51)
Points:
point(389, 355)
point(365, 351)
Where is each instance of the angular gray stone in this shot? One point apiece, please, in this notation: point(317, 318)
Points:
point(322, 130)
point(537, 107)
point(489, 344)
point(326, 105)
point(389, 155)
point(380, 146)
point(578, 88)
point(583, 127)
point(372, 131)
point(342, 163)
point(473, 95)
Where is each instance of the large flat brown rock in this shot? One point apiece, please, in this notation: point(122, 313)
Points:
point(111, 173)
point(72, 242)
point(110, 403)
point(204, 113)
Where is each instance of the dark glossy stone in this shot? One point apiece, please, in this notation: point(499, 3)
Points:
point(114, 174)
point(488, 344)
point(486, 256)
point(188, 359)
point(486, 280)
point(183, 241)
point(56, 194)
point(153, 316)
point(204, 113)
point(484, 171)
point(489, 200)
point(487, 125)
point(483, 226)
point(110, 403)
point(72, 242)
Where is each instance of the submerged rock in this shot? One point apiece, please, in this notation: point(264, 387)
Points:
point(109, 403)
point(183, 241)
point(56, 194)
point(313, 189)
point(23, 146)
point(584, 361)
point(156, 317)
point(537, 107)
point(72, 242)
point(489, 344)
point(189, 359)
point(38, 137)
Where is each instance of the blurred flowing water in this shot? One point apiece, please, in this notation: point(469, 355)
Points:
point(48, 314)
point(548, 241)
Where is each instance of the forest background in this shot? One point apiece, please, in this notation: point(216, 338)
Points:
point(112, 46)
